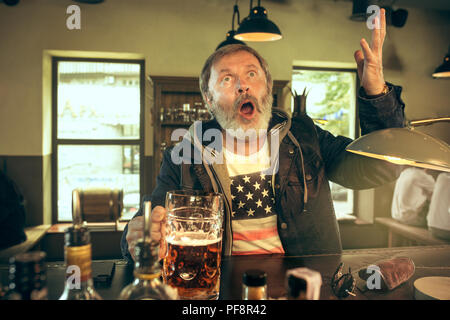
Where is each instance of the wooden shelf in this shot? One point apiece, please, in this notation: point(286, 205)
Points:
point(176, 124)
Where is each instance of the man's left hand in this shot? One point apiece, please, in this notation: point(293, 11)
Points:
point(370, 59)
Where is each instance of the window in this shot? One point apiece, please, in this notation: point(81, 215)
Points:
point(97, 130)
point(331, 97)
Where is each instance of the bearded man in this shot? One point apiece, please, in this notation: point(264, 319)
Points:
point(274, 170)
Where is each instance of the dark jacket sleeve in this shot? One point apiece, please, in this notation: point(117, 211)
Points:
point(168, 179)
point(358, 172)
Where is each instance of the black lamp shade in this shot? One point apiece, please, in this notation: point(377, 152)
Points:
point(359, 9)
point(257, 27)
point(443, 71)
point(230, 40)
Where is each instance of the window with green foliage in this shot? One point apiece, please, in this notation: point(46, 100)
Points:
point(331, 103)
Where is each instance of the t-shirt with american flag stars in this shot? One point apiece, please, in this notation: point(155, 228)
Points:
point(254, 220)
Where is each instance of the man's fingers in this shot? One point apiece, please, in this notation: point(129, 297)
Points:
point(379, 32)
point(158, 214)
point(368, 55)
point(359, 58)
point(383, 26)
point(158, 222)
point(155, 231)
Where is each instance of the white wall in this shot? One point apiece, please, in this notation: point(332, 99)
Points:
point(175, 38)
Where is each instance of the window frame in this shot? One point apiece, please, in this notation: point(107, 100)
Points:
point(357, 129)
point(56, 142)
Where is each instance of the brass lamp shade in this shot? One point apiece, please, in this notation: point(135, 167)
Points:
point(405, 147)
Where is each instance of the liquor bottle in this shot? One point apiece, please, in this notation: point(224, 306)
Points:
point(254, 285)
point(28, 277)
point(78, 258)
point(147, 284)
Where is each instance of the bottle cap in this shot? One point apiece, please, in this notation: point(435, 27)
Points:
point(254, 278)
point(77, 236)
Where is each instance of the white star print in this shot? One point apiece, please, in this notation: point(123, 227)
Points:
point(267, 209)
point(247, 179)
point(256, 185)
point(262, 176)
point(249, 196)
point(265, 193)
point(259, 203)
point(250, 212)
point(241, 204)
point(240, 188)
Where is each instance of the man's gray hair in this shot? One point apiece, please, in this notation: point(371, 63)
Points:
point(222, 52)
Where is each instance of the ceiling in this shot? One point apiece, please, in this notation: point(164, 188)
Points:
point(422, 4)
point(425, 4)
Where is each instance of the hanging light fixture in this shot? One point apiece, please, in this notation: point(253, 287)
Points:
point(257, 27)
point(405, 146)
point(230, 34)
point(443, 71)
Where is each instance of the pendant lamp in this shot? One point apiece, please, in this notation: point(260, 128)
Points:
point(257, 27)
point(230, 34)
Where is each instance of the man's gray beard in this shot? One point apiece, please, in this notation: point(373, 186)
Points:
point(228, 121)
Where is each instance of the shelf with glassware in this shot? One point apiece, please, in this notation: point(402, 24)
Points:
point(177, 104)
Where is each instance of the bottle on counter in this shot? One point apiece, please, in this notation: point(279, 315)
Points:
point(303, 284)
point(147, 284)
point(296, 288)
point(78, 258)
point(254, 285)
point(28, 277)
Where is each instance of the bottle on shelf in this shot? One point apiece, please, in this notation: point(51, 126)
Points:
point(79, 284)
point(28, 277)
point(186, 112)
point(254, 285)
point(147, 284)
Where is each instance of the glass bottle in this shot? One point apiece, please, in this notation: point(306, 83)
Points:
point(147, 272)
point(296, 288)
point(28, 277)
point(78, 257)
point(147, 284)
point(254, 285)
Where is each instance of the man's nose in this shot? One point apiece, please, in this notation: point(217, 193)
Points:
point(242, 86)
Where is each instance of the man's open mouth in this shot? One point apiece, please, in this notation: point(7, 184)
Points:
point(247, 109)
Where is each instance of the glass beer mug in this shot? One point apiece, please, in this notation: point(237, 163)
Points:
point(194, 243)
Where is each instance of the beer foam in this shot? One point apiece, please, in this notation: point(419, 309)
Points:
point(191, 239)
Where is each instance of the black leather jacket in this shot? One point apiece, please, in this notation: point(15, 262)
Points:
point(308, 158)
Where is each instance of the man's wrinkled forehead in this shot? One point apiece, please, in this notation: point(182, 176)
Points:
point(220, 66)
